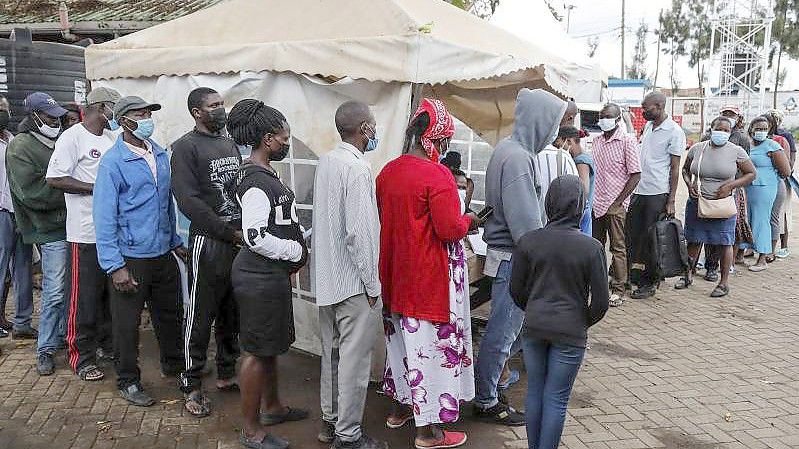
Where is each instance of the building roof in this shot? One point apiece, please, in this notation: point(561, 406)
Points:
point(87, 15)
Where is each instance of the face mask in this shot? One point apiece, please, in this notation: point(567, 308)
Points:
point(649, 116)
point(607, 124)
point(760, 136)
point(144, 128)
point(47, 131)
point(217, 119)
point(371, 144)
point(719, 138)
point(284, 151)
point(113, 125)
point(5, 117)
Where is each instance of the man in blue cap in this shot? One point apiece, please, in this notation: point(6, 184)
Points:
point(41, 214)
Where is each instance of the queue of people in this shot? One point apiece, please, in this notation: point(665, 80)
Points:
point(96, 200)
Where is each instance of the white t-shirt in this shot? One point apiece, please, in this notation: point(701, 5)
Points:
point(77, 154)
point(547, 162)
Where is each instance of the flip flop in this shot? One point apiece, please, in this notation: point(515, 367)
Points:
point(292, 414)
point(202, 402)
point(268, 442)
point(720, 291)
point(451, 439)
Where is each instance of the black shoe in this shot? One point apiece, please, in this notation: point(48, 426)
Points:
point(500, 414)
point(3, 333)
point(502, 398)
point(644, 292)
point(105, 356)
point(45, 365)
point(24, 333)
point(170, 372)
point(269, 442)
point(364, 442)
point(328, 433)
point(134, 394)
point(712, 276)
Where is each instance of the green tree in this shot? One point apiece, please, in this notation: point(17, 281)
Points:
point(785, 32)
point(637, 69)
point(686, 28)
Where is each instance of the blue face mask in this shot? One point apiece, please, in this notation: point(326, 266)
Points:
point(719, 138)
point(144, 128)
point(371, 144)
point(113, 125)
point(760, 136)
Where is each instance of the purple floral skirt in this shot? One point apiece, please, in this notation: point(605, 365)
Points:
point(429, 365)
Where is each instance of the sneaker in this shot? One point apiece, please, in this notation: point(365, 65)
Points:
point(644, 292)
point(783, 253)
point(24, 333)
point(364, 442)
point(500, 414)
point(134, 394)
point(328, 433)
point(3, 333)
point(615, 300)
point(45, 365)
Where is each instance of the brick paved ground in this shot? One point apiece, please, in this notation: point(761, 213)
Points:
point(678, 371)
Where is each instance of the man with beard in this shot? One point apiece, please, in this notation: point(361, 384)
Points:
point(205, 163)
point(73, 170)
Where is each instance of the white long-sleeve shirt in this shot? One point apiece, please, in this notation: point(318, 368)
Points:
point(346, 227)
point(255, 212)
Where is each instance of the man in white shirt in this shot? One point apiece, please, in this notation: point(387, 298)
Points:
point(552, 162)
point(346, 242)
point(14, 253)
point(662, 145)
point(73, 169)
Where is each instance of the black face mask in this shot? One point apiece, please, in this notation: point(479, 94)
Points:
point(5, 117)
point(217, 119)
point(283, 152)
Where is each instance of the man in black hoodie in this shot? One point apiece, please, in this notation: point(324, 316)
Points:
point(555, 270)
point(204, 167)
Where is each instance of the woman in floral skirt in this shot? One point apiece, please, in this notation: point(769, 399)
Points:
point(429, 369)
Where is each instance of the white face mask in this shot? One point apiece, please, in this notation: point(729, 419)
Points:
point(607, 124)
point(47, 131)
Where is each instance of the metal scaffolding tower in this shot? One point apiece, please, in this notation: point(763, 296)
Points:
point(739, 47)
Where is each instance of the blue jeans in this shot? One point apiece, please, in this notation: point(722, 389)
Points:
point(52, 317)
point(502, 331)
point(16, 256)
point(551, 370)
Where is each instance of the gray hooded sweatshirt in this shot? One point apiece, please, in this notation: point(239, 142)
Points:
point(511, 185)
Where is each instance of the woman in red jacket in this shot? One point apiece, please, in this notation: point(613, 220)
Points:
point(425, 291)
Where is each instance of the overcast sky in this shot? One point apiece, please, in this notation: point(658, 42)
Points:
point(602, 18)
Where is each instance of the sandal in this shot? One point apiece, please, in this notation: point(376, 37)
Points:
point(291, 414)
point(720, 291)
point(234, 386)
point(197, 404)
point(757, 268)
point(268, 442)
point(451, 439)
point(771, 258)
point(91, 373)
point(399, 423)
point(683, 283)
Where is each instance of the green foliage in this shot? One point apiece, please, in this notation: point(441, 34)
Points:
point(637, 69)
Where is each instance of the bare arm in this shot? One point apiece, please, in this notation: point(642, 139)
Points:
point(674, 179)
point(629, 186)
point(71, 185)
point(780, 162)
point(584, 171)
point(688, 178)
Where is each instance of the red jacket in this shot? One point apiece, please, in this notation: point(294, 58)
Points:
point(419, 213)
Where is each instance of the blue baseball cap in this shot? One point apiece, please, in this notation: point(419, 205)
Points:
point(42, 102)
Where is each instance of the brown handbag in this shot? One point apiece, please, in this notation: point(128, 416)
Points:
point(719, 208)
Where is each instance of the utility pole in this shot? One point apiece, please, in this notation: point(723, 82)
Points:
point(568, 17)
point(623, 30)
point(657, 58)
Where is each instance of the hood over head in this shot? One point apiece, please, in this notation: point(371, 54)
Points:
point(538, 116)
point(565, 202)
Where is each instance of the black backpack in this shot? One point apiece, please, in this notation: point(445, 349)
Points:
point(669, 248)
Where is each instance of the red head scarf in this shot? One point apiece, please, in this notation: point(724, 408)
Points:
point(442, 125)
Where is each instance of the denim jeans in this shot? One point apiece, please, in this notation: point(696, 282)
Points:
point(52, 317)
point(551, 370)
point(16, 256)
point(502, 331)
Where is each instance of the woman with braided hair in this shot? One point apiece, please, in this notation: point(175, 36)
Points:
point(274, 249)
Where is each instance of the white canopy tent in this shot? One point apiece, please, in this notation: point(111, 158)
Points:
point(532, 21)
point(305, 57)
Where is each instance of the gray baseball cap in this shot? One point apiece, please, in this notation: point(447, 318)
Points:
point(102, 95)
point(133, 103)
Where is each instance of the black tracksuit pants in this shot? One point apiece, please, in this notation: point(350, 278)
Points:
point(211, 302)
point(89, 313)
point(159, 287)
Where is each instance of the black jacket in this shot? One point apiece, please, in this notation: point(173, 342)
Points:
point(555, 268)
point(204, 170)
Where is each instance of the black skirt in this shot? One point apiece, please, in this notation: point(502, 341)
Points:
point(263, 292)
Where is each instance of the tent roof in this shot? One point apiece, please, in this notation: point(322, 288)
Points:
point(418, 41)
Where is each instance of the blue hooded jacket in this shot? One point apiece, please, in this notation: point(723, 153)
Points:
point(133, 214)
